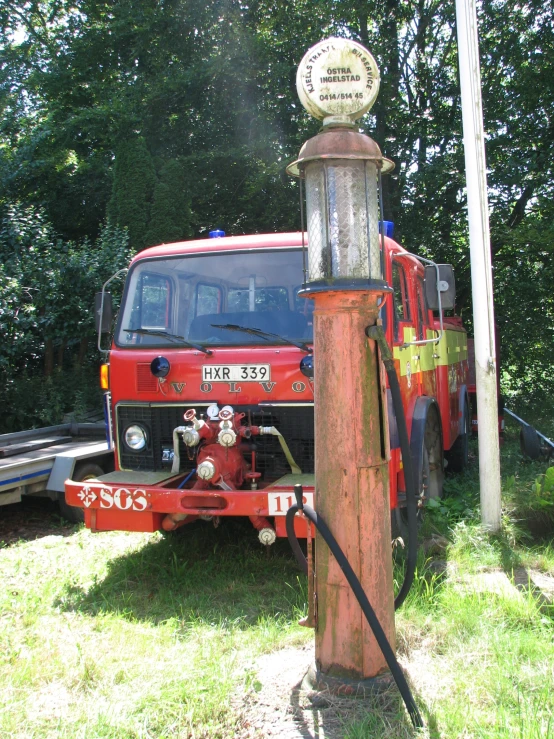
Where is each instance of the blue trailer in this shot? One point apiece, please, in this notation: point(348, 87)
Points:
point(37, 462)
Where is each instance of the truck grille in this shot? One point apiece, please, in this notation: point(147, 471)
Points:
point(296, 424)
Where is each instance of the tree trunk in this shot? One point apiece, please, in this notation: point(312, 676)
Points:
point(82, 353)
point(61, 352)
point(48, 358)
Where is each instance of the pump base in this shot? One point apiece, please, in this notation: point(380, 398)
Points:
point(317, 681)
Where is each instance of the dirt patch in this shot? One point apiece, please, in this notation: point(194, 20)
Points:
point(33, 518)
point(279, 704)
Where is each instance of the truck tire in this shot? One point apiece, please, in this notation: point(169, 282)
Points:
point(529, 442)
point(458, 454)
point(399, 515)
point(83, 471)
point(430, 471)
point(434, 449)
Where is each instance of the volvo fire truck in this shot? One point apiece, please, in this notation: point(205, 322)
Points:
point(209, 384)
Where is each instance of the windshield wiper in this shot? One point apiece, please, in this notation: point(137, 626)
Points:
point(172, 337)
point(262, 334)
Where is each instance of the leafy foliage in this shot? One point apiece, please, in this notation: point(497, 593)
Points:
point(133, 190)
point(171, 213)
point(182, 115)
point(47, 291)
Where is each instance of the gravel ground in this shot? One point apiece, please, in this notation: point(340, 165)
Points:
point(280, 705)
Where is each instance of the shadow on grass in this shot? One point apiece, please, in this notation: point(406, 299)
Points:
point(32, 518)
point(202, 576)
point(197, 574)
point(510, 559)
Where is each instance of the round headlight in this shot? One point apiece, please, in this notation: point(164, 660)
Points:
point(135, 437)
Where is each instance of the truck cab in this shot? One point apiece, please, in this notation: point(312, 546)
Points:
point(211, 374)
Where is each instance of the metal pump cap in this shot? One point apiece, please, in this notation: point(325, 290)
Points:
point(339, 143)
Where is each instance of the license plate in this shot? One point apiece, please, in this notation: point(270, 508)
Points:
point(236, 373)
point(279, 503)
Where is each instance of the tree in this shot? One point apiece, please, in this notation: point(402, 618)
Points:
point(171, 213)
point(92, 90)
point(47, 291)
point(133, 190)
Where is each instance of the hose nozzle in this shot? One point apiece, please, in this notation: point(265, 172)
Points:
point(299, 494)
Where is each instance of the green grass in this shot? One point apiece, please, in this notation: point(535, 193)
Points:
point(481, 662)
point(131, 635)
point(136, 636)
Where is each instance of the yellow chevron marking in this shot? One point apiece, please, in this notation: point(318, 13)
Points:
point(451, 349)
point(407, 354)
point(427, 351)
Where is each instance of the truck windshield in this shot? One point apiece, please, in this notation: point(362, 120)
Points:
point(196, 296)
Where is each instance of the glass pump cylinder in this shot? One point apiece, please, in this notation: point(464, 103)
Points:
point(341, 168)
point(342, 204)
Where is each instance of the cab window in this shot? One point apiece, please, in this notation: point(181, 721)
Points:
point(422, 313)
point(208, 299)
point(401, 299)
point(265, 299)
point(303, 305)
point(151, 308)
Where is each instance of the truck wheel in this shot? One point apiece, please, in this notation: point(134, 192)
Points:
point(431, 475)
point(529, 442)
point(433, 447)
point(399, 516)
point(82, 472)
point(458, 455)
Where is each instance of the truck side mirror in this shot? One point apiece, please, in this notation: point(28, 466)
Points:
point(103, 313)
point(446, 285)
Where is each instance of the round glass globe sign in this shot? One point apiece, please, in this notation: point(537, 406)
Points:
point(337, 80)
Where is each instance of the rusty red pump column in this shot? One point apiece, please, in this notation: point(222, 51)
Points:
point(338, 81)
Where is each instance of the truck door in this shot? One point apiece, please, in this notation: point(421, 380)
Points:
point(401, 301)
point(404, 331)
point(426, 352)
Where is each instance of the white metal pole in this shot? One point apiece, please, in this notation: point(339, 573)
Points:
point(481, 270)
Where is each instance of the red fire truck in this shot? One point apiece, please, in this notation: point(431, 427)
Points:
point(209, 386)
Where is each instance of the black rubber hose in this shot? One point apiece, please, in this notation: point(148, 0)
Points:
point(377, 334)
point(361, 597)
point(294, 543)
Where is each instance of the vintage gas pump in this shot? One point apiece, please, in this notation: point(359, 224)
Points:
point(337, 82)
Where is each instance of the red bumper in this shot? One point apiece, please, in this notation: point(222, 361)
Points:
point(122, 507)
